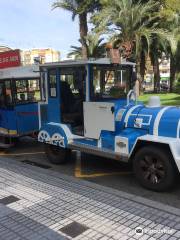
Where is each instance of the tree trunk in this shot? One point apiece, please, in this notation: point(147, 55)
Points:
point(139, 78)
point(155, 63)
point(83, 29)
point(172, 72)
point(142, 66)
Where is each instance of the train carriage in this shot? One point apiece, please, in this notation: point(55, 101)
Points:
point(90, 107)
point(19, 97)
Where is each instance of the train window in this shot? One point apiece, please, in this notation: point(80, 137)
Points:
point(109, 83)
point(34, 90)
point(27, 90)
point(2, 97)
point(8, 92)
point(52, 83)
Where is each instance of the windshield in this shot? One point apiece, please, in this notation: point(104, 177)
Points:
point(110, 82)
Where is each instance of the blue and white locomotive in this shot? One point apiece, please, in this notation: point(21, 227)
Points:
point(89, 107)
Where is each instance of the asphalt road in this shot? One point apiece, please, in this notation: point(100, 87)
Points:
point(105, 172)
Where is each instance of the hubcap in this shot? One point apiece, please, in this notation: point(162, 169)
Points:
point(152, 169)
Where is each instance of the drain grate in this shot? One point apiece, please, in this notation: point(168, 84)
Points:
point(9, 199)
point(74, 229)
point(36, 164)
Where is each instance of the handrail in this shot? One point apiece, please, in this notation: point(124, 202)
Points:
point(129, 95)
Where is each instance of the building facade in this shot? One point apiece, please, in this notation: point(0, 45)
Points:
point(39, 56)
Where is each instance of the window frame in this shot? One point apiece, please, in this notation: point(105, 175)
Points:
point(103, 69)
point(15, 90)
point(49, 88)
point(7, 105)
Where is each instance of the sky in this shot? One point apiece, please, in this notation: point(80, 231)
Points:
point(26, 24)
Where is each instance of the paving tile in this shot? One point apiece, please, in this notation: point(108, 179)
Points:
point(60, 207)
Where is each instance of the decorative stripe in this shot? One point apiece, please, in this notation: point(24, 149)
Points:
point(158, 119)
point(7, 131)
point(27, 113)
point(129, 112)
point(178, 129)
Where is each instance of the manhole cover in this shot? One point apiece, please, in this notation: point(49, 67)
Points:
point(8, 200)
point(74, 229)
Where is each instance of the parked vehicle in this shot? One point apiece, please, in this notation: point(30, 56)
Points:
point(87, 110)
point(19, 97)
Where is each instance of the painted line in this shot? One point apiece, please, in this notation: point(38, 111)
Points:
point(101, 174)
point(178, 130)
point(78, 172)
point(19, 154)
point(158, 119)
point(129, 112)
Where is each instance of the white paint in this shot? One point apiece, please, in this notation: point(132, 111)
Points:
point(97, 117)
point(129, 112)
point(158, 119)
point(121, 145)
point(45, 95)
point(58, 140)
point(120, 114)
point(44, 136)
point(144, 115)
point(87, 85)
point(67, 131)
point(154, 101)
point(178, 130)
point(31, 71)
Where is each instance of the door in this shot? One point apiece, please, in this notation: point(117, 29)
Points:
point(98, 116)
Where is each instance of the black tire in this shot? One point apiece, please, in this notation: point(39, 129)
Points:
point(57, 155)
point(154, 168)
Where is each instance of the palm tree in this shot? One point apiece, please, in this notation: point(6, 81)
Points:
point(96, 48)
point(132, 26)
point(79, 8)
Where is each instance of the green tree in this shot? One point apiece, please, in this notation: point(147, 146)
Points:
point(79, 8)
point(95, 47)
point(133, 27)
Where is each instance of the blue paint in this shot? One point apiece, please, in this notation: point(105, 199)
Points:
point(27, 118)
point(22, 118)
point(53, 102)
point(91, 142)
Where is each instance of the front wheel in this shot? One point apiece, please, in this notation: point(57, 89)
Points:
point(57, 155)
point(154, 168)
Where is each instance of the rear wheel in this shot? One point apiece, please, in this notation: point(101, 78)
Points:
point(154, 168)
point(57, 155)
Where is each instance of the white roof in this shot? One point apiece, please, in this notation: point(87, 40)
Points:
point(31, 71)
point(100, 61)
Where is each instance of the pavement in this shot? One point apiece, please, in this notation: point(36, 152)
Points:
point(105, 172)
point(38, 203)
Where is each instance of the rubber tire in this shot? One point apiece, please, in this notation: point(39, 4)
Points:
point(167, 161)
point(57, 155)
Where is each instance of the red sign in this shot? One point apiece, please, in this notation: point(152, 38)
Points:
point(10, 59)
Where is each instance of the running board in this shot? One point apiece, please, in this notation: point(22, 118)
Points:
point(98, 152)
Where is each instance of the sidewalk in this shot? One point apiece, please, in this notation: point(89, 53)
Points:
point(38, 204)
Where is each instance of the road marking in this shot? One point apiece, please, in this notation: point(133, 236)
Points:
point(78, 172)
point(18, 154)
